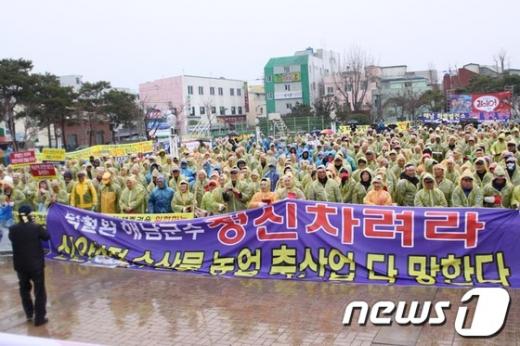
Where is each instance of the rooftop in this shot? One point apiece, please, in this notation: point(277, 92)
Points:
point(287, 60)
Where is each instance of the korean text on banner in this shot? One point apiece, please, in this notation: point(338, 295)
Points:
point(116, 150)
point(41, 171)
point(53, 155)
point(306, 240)
point(22, 158)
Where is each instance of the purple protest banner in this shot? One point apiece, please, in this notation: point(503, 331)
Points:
point(306, 240)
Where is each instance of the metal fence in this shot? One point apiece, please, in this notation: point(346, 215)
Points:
point(295, 124)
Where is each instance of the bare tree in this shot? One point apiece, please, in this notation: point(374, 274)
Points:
point(208, 106)
point(352, 77)
point(405, 103)
point(500, 60)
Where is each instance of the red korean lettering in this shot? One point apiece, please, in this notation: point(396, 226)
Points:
point(291, 215)
point(348, 224)
point(321, 219)
point(446, 221)
point(268, 215)
point(231, 230)
point(378, 218)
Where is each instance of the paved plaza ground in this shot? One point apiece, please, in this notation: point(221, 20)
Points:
point(129, 307)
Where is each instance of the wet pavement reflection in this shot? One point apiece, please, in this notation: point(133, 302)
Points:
point(128, 307)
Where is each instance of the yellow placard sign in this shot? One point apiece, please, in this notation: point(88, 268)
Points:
point(52, 154)
point(41, 218)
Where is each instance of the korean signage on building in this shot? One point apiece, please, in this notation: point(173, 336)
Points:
point(288, 95)
point(287, 77)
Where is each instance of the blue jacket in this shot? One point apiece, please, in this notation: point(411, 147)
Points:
point(207, 168)
point(188, 174)
point(273, 177)
point(160, 200)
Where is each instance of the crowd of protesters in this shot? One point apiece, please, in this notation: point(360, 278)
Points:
point(449, 166)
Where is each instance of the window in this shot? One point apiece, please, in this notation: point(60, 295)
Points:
point(269, 96)
point(286, 69)
point(190, 89)
point(100, 137)
point(222, 110)
point(407, 84)
point(287, 87)
point(192, 111)
point(72, 141)
point(261, 110)
point(233, 110)
point(239, 92)
point(201, 90)
point(220, 91)
point(330, 90)
point(232, 92)
point(213, 110)
point(288, 105)
point(269, 78)
point(212, 91)
point(239, 110)
point(202, 110)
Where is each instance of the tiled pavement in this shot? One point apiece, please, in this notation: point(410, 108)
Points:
point(127, 307)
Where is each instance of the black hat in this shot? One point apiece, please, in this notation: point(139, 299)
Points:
point(25, 209)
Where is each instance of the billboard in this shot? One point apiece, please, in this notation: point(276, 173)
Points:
point(491, 106)
point(460, 103)
point(482, 106)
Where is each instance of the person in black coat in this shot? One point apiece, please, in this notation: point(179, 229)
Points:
point(28, 260)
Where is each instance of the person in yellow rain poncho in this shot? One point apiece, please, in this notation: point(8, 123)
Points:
point(498, 146)
point(109, 195)
point(58, 194)
point(407, 187)
point(324, 188)
point(497, 194)
point(212, 203)
point(236, 193)
point(429, 195)
point(183, 200)
point(83, 194)
point(132, 199)
point(10, 195)
point(467, 193)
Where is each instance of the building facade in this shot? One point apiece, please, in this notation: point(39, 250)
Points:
point(340, 86)
point(255, 104)
point(397, 81)
point(296, 79)
point(196, 99)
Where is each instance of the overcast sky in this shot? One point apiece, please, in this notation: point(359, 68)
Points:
point(129, 42)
